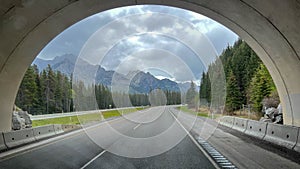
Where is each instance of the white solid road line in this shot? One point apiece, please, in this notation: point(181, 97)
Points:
point(137, 126)
point(195, 142)
point(88, 163)
point(40, 144)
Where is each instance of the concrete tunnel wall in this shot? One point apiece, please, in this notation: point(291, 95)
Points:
point(270, 27)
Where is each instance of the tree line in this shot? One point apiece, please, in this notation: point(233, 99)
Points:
point(45, 92)
point(50, 91)
point(247, 80)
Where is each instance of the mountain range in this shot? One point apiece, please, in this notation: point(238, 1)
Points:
point(138, 81)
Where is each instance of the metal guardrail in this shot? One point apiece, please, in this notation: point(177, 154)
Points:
point(57, 115)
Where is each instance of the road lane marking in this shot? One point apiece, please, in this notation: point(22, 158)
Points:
point(195, 142)
point(44, 143)
point(142, 114)
point(92, 160)
point(63, 137)
point(137, 126)
point(97, 156)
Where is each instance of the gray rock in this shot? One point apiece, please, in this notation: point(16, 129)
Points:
point(26, 117)
point(273, 115)
point(21, 120)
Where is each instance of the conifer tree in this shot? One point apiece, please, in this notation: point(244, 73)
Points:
point(233, 95)
point(261, 86)
point(191, 95)
point(27, 95)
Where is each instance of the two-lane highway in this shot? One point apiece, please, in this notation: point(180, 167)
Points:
point(152, 138)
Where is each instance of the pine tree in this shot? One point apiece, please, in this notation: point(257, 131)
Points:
point(50, 85)
point(67, 94)
point(27, 94)
point(58, 93)
point(191, 95)
point(240, 65)
point(45, 92)
point(233, 95)
point(39, 106)
point(261, 86)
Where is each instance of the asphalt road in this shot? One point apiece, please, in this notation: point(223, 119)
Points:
point(153, 138)
point(243, 151)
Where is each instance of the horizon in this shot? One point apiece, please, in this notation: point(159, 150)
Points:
point(149, 49)
point(145, 71)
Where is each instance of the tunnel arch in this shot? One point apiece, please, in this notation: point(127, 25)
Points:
point(270, 27)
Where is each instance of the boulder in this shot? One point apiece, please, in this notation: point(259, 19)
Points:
point(26, 117)
point(21, 120)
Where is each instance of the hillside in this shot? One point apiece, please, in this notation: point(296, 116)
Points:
point(140, 82)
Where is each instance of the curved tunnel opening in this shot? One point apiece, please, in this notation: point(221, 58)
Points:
point(271, 35)
point(145, 56)
point(66, 48)
point(251, 35)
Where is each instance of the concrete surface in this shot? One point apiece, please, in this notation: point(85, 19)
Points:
point(297, 147)
point(250, 153)
point(2, 144)
point(80, 150)
point(227, 121)
point(19, 137)
point(282, 135)
point(244, 151)
point(240, 124)
point(43, 131)
point(58, 128)
point(27, 27)
point(256, 129)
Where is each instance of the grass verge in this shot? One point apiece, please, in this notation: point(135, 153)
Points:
point(201, 112)
point(84, 119)
point(247, 115)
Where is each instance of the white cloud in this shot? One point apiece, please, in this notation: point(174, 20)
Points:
point(134, 41)
point(123, 33)
point(164, 77)
point(154, 60)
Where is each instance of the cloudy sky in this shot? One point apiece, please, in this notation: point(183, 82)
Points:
point(166, 41)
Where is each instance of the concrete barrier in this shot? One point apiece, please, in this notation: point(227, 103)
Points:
point(20, 137)
point(43, 132)
point(297, 147)
point(67, 128)
point(2, 143)
point(58, 128)
point(227, 121)
point(240, 124)
point(282, 135)
point(16, 138)
point(256, 129)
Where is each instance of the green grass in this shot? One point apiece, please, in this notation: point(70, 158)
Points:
point(205, 113)
point(83, 119)
point(190, 111)
point(109, 114)
point(115, 113)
